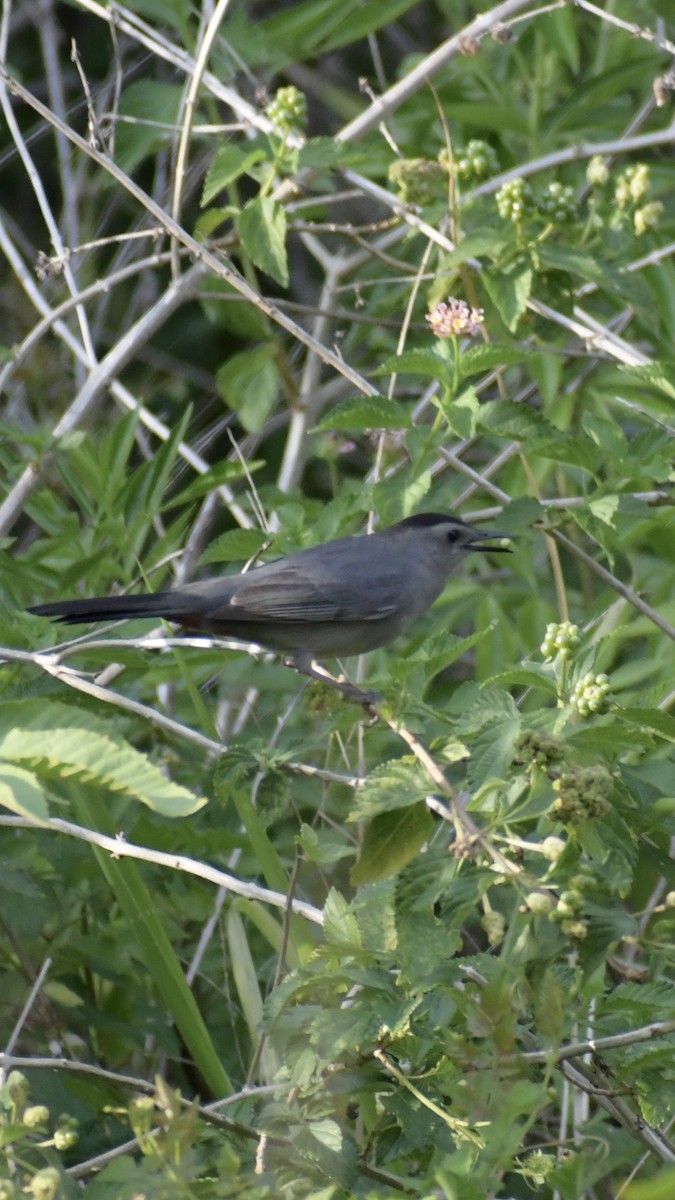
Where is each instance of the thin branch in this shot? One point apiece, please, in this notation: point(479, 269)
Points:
point(119, 847)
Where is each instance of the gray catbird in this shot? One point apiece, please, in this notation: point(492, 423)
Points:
point(341, 598)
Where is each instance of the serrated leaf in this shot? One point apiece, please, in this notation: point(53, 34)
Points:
point(564, 448)
point(394, 784)
point(321, 152)
point(652, 719)
point(21, 793)
point(69, 743)
point(516, 420)
point(659, 374)
point(229, 163)
point(390, 841)
point(339, 921)
point(492, 749)
point(510, 291)
point(462, 413)
point(483, 358)
point(249, 383)
point(418, 362)
point(532, 676)
point(262, 229)
point(237, 545)
point(476, 245)
point(328, 1133)
point(441, 650)
point(365, 412)
point(565, 258)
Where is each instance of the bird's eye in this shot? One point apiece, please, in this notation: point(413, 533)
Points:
point(451, 536)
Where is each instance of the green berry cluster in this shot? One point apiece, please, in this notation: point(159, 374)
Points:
point(582, 793)
point(560, 639)
point(590, 694)
point(568, 913)
point(66, 1133)
point(632, 185)
point(539, 749)
point(515, 201)
point(35, 1114)
point(45, 1184)
point(540, 903)
point(494, 925)
point(419, 180)
point(597, 171)
point(288, 110)
point(552, 848)
point(477, 161)
point(558, 204)
point(647, 217)
point(537, 1167)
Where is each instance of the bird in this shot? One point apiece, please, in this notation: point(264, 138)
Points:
point(336, 599)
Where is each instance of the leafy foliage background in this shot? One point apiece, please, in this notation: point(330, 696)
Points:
point(430, 955)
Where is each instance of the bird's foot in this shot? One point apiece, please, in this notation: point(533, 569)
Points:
point(316, 670)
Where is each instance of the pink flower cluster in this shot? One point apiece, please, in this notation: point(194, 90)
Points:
point(455, 319)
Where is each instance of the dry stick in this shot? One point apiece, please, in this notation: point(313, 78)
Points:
point(189, 102)
point(37, 184)
point(100, 377)
point(465, 827)
point(54, 315)
point(118, 390)
point(119, 847)
point(607, 577)
point(630, 27)
point(197, 249)
point(15, 502)
point(426, 69)
point(624, 145)
point(50, 661)
point(645, 1033)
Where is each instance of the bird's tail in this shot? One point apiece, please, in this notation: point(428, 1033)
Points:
point(170, 605)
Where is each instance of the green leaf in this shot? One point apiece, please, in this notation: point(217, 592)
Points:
point(532, 676)
point(477, 359)
point(229, 163)
point(418, 362)
point(476, 245)
point(65, 743)
point(224, 473)
point(462, 413)
point(237, 545)
point(365, 412)
point(658, 1187)
point(262, 229)
point(510, 291)
point(154, 107)
point(160, 958)
point(394, 784)
point(340, 924)
point(390, 841)
point(509, 419)
point(321, 152)
point(249, 383)
point(660, 375)
point(493, 747)
point(21, 793)
point(652, 719)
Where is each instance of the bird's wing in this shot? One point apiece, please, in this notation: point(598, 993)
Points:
point(288, 593)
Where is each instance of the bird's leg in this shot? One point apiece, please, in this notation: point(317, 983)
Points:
point(316, 670)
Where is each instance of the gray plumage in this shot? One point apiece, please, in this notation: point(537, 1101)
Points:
point(341, 598)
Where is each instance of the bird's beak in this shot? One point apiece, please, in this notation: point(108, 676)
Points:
point(492, 535)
